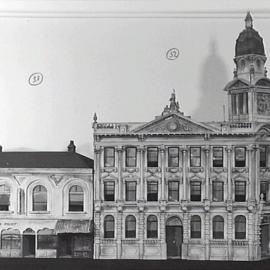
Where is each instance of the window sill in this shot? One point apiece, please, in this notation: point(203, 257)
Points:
point(196, 169)
point(39, 212)
point(76, 212)
point(8, 212)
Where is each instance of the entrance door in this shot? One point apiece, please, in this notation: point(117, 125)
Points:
point(29, 245)
point(64, 245)
point(174, 238)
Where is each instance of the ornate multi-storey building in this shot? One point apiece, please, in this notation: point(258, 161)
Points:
point(177, 188)
point(46, 204)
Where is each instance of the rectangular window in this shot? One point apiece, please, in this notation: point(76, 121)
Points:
point(173, 191)
point(173, 157)
point(195, 157)
point(195, 191)
point(240, 191)
point(263, 190)
point(217, 157)
point(218, 191)
point(240, 156)
point(152, 191)
point(131, 157)
point(46, 241)
point(241, 103)
point(109, 191)
point(109, 157)
point(152, 157)
point(131, 191)
point(263, 156)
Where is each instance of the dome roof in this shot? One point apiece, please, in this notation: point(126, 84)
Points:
point(249, 41)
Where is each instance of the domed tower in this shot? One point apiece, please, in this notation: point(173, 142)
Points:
point(249, 92)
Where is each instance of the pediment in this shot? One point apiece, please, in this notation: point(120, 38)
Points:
point(237, 83)
point(263, 82)
point(173, 123)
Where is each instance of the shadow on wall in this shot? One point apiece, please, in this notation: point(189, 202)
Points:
point(214, 77)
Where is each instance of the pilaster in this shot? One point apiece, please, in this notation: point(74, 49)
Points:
point(119, 232)
point(97, 194)
point(141, 151)
point(207, 236)
point(207, 170)
point(120, 169)
point(184, 164)
point(229, 166)
point(162, 153)
point(141, 231)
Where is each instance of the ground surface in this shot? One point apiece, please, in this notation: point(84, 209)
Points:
point(83, 264)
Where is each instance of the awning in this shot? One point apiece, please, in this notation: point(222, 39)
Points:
point(73, 226)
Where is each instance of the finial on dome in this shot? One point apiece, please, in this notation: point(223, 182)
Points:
point(95, 118)
point(249, 20)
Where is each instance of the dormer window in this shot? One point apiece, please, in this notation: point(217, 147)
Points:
point(240, 103)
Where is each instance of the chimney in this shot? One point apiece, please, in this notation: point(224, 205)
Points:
point(71, 147)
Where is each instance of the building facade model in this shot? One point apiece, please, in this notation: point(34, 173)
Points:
point(177, 188)
point(46, 204)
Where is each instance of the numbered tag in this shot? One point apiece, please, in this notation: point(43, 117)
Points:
point(172, 54)
point(35, 79)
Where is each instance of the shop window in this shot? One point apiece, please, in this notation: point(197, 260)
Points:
point(76, 199)
point(240, 156)
point(131, 157)
point(173, 157)
point(4, 197)
point(131, 191)
point(217, 157)
point(195, 156)
point(46, 239)
point(152, 227)
point(109, 227)
point(263, 156)
point(218, 191)
point(195, 227)
point(10, 239)
point(152, 157)
point(39, 198)
point(173, 191)
point(109, 190)
point(240, 191)
point(195, 191)
point(240, 227)
point(152, 191)
point(130, 231)
point(218, 227)
point(109, 157)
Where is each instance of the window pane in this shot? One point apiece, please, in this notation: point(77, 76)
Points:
point(131, 191)
point(240, 157)
point(131, 153)
point(173, 191)
point(109, 191)
point(240, 227)
point(46, 241)
point(195, 156)
point(109, 157)
point(240, 191)
point(217, 157)
point(4, 197)
point(152, 227)
point(76, 199)
point(195, 227)
point(263, 190)
point(195, 191)
point(173, 156)
point(234, 104)
point(130, 231)
point(109, 227)
point(152, 157)
point(152, 191)
point(217, 191)
point(218, 228)
point(39, 198)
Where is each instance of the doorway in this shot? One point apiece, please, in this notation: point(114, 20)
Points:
point(174, 238)
point(265, 236)
point(29, 243)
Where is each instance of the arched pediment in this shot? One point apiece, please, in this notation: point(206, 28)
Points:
point(174, 221)
point(263, 82)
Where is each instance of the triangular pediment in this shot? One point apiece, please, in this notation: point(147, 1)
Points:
point(173, 123)
point(237, 83)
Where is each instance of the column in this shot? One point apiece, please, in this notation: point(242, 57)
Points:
point(207, 236)
point(185, 235)
point(184, 162)
point(119, 232)
point(207, 169)
point(97, 158)
point(229, 167)
point(250, 235)
point(141, 151)
point(162, 153)
point(163, 235)
point(230, 234)
point(251, 173)
point(141, 232)
point(120, 180)
point(97, 237)
point(257, 174)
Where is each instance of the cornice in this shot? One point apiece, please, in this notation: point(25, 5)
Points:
point(133, 8)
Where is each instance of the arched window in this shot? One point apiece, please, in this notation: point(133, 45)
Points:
point(10, 239)
point(195, 227)
point(130, 231)
point(152, 227)
point(218, 227)
point(109, 227)
point(4, 197)
point(75, 199)
point(240, 227)
point(39, 198)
